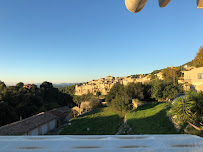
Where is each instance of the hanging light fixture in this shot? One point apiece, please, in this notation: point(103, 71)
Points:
point(135, 6)
point(200, 4)
point(163, 3)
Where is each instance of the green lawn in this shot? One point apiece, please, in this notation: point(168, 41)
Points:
point(151, 119)
point(102, 121)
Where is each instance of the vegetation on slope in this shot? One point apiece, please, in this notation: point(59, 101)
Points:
point(102, 121)
point(69, 90)
point(189, 110)
point(120, 97)
point(16, 101)
point(198, 61)
point(151, 119)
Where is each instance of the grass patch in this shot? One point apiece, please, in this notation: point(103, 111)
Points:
point(102, 121)
point(151, 119)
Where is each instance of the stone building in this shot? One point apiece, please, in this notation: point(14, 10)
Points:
point(192, 79)
point(62, 113)
point(160, 76)
point(104, 85)
point(39, 124)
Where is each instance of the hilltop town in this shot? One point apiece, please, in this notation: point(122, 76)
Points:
point(190, 78)
point(104, 85)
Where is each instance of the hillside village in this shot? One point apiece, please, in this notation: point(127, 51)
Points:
point(191, 78)
point(104, 85)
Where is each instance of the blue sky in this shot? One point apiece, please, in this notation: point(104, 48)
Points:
point(80, 40)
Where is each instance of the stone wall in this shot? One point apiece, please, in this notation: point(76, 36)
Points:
point(84, 107)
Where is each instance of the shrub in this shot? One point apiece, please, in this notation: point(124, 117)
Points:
point(161, 90)
point(182, 109)
point(135, 90)
point(189, 109)
point(118, 99)
point(73, 113)
point(94, 103)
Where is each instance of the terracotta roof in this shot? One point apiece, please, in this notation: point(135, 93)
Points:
point(25, 125)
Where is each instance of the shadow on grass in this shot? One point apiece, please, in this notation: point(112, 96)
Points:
point(100, 122)
point(147, 106)
point(98, 110)
point(156, 123)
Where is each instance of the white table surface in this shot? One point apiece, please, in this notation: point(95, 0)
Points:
point(102, 143)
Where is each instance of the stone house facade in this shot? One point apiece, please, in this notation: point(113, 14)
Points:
point(104, 85)
point(193, 79)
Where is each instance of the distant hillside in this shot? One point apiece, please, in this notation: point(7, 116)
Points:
point(63, 85)
point(189, 64)
point(60, 85)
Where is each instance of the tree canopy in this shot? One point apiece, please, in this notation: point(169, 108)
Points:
point(46, 85)
point(171, 74)
point(16, 101)
point(20, 84)
point(120, 97)
point(162, 90)
point(135, 90)
point(69, 90)
point(2, 86)
point(198, 61)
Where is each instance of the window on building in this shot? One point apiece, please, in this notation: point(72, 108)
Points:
point(200, 75)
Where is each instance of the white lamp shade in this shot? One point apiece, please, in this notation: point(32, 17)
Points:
point(200, 4)
point(135, 6)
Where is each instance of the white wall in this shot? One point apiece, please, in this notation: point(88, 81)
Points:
point(52, 124)
point(45, 128)
point(129, 143)
point(41, 130)
point(33, 132)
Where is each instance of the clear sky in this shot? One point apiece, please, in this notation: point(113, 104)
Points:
point(80, 40)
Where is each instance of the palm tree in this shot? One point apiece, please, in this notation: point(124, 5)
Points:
point(184, 110)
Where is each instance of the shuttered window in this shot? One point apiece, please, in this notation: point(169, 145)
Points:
point(200, 75)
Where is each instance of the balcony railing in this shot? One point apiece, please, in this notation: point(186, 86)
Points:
point(184, 80)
